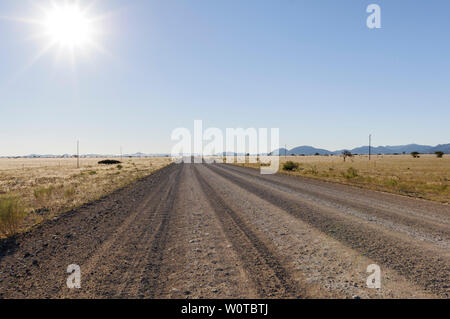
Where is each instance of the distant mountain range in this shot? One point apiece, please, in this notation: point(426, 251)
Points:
point(299, 150)
point(399, 149)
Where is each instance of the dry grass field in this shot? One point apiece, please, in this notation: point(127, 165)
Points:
point(33, 190)
point(426, 177)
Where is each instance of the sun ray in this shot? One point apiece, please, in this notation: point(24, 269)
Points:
point(72, 29)
point(30, 63)
point(21, 20)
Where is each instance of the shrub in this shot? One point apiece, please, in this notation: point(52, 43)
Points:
point(43, 194)
point(69, 192)
point(290, 166)
point(119, 166)
point(393, 182)
point(439, 154)
point(351, 172)
point(109, 162)
point(92, 172)
point(415, 154)
point(12, 214)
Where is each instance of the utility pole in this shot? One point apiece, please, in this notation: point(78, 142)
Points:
point(285, 150)
point(121, 153)
point(78, 154)
point(370, 141)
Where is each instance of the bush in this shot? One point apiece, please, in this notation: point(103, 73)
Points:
point(119, 166)
point(351, 173)
point(439, 154)
point(69, 192)
point(43, 194)
point(313, 170)
point(393, 182)
point(415, 154)
point(12, 214)
point(92, 172)
point(290, 166)
point(109, 162)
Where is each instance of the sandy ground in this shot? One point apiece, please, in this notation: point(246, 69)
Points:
point(222, 231)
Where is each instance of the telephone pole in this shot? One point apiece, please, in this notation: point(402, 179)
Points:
point(370, 141)
point(78, 154)
point(121, 153)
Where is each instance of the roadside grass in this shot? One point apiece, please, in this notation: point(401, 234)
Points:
point(12, 214)
point(427, 176)
point(34, 190)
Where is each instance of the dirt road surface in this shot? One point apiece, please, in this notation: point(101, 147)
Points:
point(222, 231)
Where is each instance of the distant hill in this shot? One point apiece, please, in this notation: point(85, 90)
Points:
point(280, 151)
point(308, 150)
point(392, 149)
point(441, 147)
point(399, 149)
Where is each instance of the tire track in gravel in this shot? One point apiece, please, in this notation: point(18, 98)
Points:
point(417, 225)
point(271, 278)
point(151, 280)
point(329, 268)
point(199, 260)
point(424, 267)
point(163, 211)
point(112, 271)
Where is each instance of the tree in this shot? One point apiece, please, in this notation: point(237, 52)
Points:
point(346, 154)
point(415, 154)
point(290, 166)
point(439, 154)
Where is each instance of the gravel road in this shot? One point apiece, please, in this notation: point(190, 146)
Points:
point(223, 231)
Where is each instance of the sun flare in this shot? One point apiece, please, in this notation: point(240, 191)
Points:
point(69, 30)
point(68, 25)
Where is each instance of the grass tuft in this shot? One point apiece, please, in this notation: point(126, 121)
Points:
point(350, 173)
point(12, 214)
point(43, 194)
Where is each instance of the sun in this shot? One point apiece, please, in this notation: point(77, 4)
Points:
point(71, 29)
point(68, 25)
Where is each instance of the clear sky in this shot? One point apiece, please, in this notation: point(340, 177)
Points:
point(311, 68)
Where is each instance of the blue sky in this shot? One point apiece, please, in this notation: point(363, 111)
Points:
point(311, 68)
